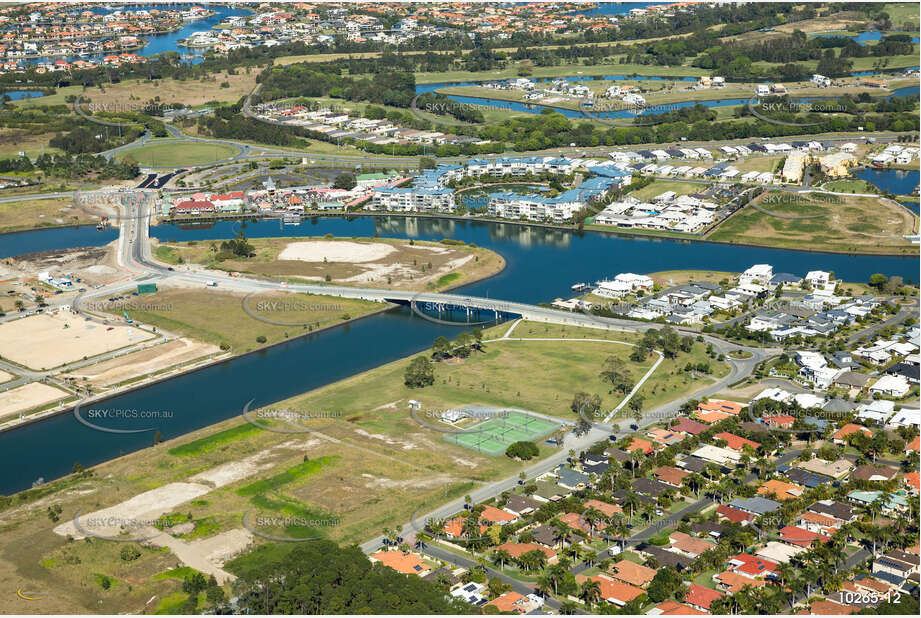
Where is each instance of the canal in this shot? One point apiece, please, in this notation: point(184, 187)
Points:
point(542, 264)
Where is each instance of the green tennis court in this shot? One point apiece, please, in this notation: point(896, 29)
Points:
point(492, 436)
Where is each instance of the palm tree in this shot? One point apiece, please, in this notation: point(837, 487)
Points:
point(568, 608)
point(632, 500)
point(502, 557)
point(592, 515)
point(590, 593)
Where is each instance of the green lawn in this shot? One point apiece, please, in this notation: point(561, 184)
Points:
point(850, 185)
point(178, 154)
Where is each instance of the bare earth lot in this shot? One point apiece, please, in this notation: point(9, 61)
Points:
point(142, 362)
point(28, 396)
point(44, 341)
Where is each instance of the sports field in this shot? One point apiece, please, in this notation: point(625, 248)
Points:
point(494, 435)
point(178, 154)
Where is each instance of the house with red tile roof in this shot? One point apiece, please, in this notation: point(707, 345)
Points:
point(820, 523)
point(800, 537)
point(633, 573)
point(752, 566)
point(671, 476)
point(604, 507)
point(830, 608)
point(665, 437)
point(717, 405)
point(734, 515)
point(711, 418)
point(511, 601)
point(688, 545)
point(701, 597)
point(781, 489)
point(689, 426)
point(640, 444)
point(404, 562)
point(736, 443)
point(574, 521)
point(847, 430)
point(613, 591)
point(517, 550)
point(674, 608)
point(732, 582)
point(781, 421)
point(914, 445)
point(913, 480)
point(496, 516)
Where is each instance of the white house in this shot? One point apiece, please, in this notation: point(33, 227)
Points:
point(759, 273)
point(818, 278)
point(891, 386)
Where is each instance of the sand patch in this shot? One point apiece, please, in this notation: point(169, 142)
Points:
point(133, 515)
point(350, 252)
point(208, 555)
point(234, 471)
point(142, 362)
point(28, 396)
point(404, 444)
point(44, 341)
point(5, 377)
point(380, 482)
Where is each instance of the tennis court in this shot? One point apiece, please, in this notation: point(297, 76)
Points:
point(492, 436)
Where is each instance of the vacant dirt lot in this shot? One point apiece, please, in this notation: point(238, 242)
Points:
point(45, 341)
point(28, 396)
point(142, 362)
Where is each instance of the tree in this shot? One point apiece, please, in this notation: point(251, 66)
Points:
point(420, 373)
point(614, 371)
point(344, 181)
point(522, 450)
point(878, 281)
point(426, 163)
point(590, 592)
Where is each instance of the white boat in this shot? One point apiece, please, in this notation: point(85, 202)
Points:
point(579, 287)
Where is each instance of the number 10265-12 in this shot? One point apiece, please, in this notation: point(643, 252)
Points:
point(870, 598)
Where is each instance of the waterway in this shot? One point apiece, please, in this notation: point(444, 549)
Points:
point(536, 108)
point(897, 182)
point(161, 43)
point(541, 264)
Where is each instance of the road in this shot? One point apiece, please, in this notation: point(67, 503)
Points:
point(133, 255)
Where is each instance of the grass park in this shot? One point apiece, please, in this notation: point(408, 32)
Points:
point(191, 313)
point(850, 224)
point(171, 153)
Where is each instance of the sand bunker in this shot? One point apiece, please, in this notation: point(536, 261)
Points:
point(350, 252)
point(28, 396)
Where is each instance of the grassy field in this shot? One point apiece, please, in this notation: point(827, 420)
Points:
point(190, 93)
point(850, 185)
point(758, 164)
point(178, 154)
point(30, 214)
point(900, 12)
point(364, 468)
point(14, 141)
point(557, 71)
point(666, 384)
point(191, 313)
point(858, 225)
point(420, 266)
